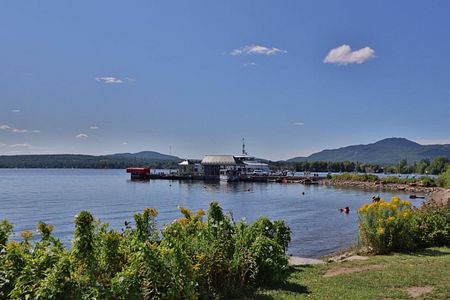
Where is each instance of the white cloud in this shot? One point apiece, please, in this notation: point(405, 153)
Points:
point(256, 49)
point(343, 55)
point(20, 146)
point(94, 127)
point(250, 64)
point(81, 136)
point(124, 143)
point(114, 80)
point(17, 130)
point(298, 124)
point(16, 110)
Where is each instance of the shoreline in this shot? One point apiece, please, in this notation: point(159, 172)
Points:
point(378, 186)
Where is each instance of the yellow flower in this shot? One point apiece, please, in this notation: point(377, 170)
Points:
point(186, 212)
point(391, 219)
point(153, 212)
point(380, 230)
point(27, 234)
point(395, 200)
point(405, 213)
point(200, 212)
point(406, 203)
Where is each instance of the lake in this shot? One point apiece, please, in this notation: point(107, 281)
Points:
point(57, 195)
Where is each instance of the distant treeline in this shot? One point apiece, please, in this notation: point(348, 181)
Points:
point(82, 162)
point(424, 166)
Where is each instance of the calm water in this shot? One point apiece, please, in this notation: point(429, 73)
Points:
point(56, 196)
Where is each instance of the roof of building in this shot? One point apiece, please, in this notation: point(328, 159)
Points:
point(223, 160)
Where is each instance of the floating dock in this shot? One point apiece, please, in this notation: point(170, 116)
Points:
point(145, 174)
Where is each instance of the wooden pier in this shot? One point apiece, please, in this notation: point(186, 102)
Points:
point(307, 180)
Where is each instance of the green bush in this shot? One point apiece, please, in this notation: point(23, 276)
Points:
point(444, 178)
point(396, 226)
point(189, 259)
point(428, 182)
point(432, 224)
point(355, 177)
point(386, 226)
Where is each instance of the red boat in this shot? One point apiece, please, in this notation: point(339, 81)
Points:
point(139, 173)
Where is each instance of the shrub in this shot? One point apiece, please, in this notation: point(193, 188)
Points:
point(428, 182)
point(386, 226)
point(444, 178)
point(189, 259)
point(432, 224)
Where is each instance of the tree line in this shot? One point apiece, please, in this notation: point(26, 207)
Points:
point(82, 162)
point(423, 166)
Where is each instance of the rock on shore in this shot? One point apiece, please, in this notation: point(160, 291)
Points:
point(440, 197)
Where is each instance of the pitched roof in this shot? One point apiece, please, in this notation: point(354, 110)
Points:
point(224, 160)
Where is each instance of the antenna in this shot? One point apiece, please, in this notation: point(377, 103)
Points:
point(243, 147)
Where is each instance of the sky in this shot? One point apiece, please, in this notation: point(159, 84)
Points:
point(190, 78)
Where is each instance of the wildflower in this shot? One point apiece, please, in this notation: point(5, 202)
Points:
point(153, 212)
point(200, 212)
point(391, 219)
point(380, 230)
point(267, 227)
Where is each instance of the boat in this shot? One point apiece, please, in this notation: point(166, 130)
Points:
point(228, 175)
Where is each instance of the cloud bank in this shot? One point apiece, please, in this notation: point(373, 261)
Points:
point(343, 55)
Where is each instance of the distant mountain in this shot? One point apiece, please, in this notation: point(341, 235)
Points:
point(388, 151)
point(147, 155)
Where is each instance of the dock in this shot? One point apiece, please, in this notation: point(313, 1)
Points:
point(138, 174)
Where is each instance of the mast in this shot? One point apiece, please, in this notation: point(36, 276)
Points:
point(243, 147)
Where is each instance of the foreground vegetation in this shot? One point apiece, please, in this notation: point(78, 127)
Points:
point(395, 225)
point(379, 277)
point(189, 259)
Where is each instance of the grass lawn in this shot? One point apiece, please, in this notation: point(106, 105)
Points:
point(380, 277)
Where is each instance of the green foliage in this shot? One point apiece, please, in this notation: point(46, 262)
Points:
point(386, 226)
point(5, 231)
point(355, 177)
point(432, 224)
point(444, 178)
point(84, 161)
point(438, 165)
point(189, 259)
point(396, 226)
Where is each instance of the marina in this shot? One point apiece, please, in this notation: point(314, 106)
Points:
point(227, 168)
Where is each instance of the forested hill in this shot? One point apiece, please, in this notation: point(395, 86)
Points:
point(114, 161)
point(388, 152)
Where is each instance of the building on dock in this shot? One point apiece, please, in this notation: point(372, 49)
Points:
point(212, 164)
point(190, 167)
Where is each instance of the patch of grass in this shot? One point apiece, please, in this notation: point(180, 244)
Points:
point(398, 272)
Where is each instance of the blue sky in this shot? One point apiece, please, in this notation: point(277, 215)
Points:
point(194, 77)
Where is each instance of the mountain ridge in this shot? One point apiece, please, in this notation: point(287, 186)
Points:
point(387, 151)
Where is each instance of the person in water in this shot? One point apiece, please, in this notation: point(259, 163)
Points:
point(376, 198)
point(345, 210)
